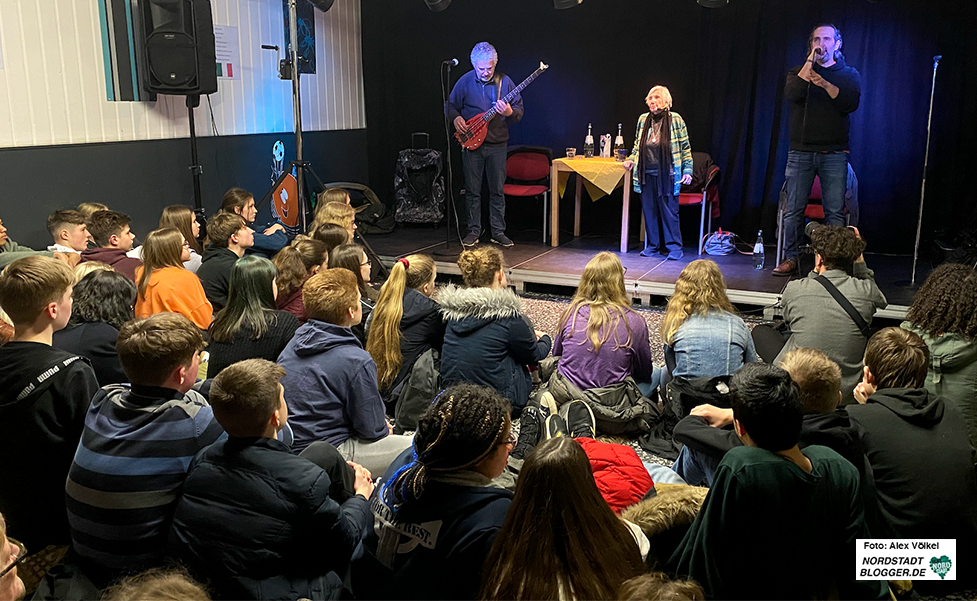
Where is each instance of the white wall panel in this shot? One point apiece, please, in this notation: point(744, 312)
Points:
point(53, 84)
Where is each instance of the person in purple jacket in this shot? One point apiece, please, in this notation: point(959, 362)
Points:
point(331, 381)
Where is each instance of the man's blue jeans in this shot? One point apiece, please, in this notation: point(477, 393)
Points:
point(695, 468)
point(487, 161)
point(802, 166)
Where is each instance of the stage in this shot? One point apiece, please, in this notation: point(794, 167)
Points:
point(535, 266)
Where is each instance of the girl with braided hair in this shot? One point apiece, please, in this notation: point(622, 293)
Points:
point(437, 513)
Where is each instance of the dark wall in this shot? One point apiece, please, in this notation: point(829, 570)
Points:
point(725, 69)
point(140, 178)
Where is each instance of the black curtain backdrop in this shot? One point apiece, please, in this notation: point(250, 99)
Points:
point(725, 69)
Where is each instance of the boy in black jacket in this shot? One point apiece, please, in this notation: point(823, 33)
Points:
point(229, 237)
point(255, 519)
point(919, 450)
point(707, 433)
point(44, 394)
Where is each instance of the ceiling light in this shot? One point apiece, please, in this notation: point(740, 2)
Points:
point(437, 5)
point(713, 3)
point(561, 4)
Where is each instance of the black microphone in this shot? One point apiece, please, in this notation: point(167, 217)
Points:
point(818, 51)
point(453, 62)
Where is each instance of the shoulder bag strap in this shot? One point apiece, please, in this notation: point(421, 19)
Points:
point(863, 326)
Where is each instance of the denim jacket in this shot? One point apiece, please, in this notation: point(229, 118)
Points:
point(715, 344)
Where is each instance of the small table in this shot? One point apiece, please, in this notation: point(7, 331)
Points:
point(602, 176)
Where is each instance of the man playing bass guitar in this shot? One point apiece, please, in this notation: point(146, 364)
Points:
point(475, 92)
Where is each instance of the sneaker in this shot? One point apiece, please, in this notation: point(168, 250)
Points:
point(548, 402)
point(502, 240)
point(675, 255)
point(530, 431)
point(470, 240)
point(580, 419)
point(556, 427)
point(787, 268)
point(651, 251)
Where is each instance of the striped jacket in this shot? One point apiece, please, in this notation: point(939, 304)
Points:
point(681, 150)
point(128, 471)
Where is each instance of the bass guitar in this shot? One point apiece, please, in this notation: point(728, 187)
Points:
point(478, 125)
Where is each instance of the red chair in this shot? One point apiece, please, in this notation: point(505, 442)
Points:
point(527, 174)
point(703, 192)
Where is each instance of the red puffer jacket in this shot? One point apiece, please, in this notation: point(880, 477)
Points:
point(621, 477)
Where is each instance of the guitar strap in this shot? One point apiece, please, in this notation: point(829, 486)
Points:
point(498, 85)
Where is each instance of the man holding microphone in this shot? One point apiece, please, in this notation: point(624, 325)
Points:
point(822, 93)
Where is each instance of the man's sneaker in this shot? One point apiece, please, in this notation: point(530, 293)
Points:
point(556, 427)
point(502, 240)
point(580, 419)
point(548, 402)
point(530, 431)
point(470, 240)
point(675, 255)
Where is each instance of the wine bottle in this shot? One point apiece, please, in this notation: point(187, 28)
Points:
point(588, 143)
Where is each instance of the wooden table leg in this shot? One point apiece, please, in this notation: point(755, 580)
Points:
point(554, 206)
point(576, 207)
point(626, 212)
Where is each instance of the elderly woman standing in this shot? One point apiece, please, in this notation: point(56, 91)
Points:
point(664, 160)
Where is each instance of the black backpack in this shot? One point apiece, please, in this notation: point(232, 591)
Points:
point(682, 394)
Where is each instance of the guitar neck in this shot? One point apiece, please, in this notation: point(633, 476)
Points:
point(490, 114)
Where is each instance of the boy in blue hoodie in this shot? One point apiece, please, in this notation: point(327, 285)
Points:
point(331, 381)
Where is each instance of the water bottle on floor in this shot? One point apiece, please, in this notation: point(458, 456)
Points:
point(758, 252)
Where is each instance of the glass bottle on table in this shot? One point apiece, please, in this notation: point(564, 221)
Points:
point(619, 146)
point(588, 143)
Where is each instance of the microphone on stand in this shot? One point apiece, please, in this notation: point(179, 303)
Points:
point(453, 62)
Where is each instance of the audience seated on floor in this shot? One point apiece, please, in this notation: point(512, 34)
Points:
point(708, 433)
point(158, 584)
point(268, 238)
point(68, 231)
point(11, 555)
point(604, 352)
point(101, 303)
point(228, 236)
point(296, 263)
point(331, 382)
point(332, 235)
point(113, 239)
point(353, 258)
point(944, 314)
point(165, 285)
point(10, 251)
point(44, 394)
point(560, 540)
point(249, 326)
point(255, 520)
point(131, 463)
point(406, 324)
point(703, 336)
point(769, 490)
point(488, 341)
point(815, 319)
point(437, 512)
point(184, 219)
point(337, 213)
point(919, 450)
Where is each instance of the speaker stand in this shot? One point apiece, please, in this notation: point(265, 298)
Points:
point(193, 101)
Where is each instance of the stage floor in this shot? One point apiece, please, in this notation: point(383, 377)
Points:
point(533, 264)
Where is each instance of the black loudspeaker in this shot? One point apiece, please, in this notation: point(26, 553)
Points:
point(179, 52)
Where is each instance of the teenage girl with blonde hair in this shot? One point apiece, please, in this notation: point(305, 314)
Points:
point(405, 322)
point(601, 340)
point(338, 213)
point(703, 336)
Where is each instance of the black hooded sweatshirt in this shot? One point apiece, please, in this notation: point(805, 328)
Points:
point(923, 466)
point(818, 122)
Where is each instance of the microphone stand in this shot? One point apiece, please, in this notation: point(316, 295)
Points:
point(445, 82)
point(922, 192)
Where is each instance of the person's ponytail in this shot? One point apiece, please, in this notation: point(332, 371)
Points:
point(383, 338)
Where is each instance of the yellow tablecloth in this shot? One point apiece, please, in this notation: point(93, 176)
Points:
point(600, 175)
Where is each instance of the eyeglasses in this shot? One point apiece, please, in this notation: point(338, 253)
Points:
point(17, 560)
point(625, 270)
point(511, 442)
point(186, 244)
point(367, 262)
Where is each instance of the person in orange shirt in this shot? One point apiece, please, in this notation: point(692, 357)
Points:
point(165, 285)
